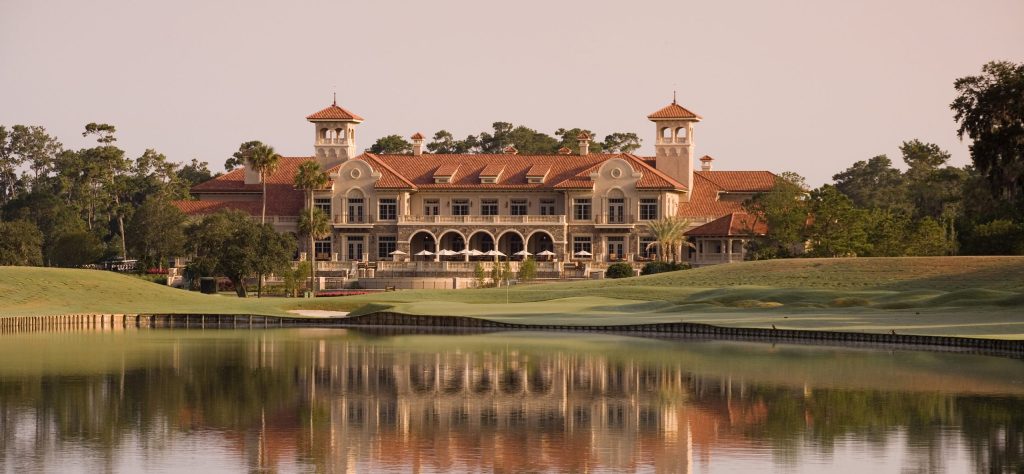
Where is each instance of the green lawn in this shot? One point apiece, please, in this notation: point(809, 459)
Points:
point(966, 296)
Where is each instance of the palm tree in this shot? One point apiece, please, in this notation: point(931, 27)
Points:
point(316, 224)
point(668, 236)
point(264, 160)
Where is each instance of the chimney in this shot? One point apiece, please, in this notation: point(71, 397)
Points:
point(705, 163)
point(510, 150)
point(584, 140)
point(417, 144)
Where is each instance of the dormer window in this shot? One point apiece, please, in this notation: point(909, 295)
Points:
point(445, 174)
point(537, 174)
point(491, 173)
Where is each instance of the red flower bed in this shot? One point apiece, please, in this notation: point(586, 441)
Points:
point(342, 293)
point(156, 271)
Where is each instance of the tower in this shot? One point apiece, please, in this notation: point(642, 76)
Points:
point(674, 144)
point(335, 139)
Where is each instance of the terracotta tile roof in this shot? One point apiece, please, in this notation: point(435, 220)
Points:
point(563, 171)
point(389, 178)
point(583, 136)
point(734, 224)
point(194, 208)
point(704, 200)
point(282, 197)
point(538, 170)
point(674, 111)
point(447, 169)
point(417, 136)
point(493, 169)
point(741, 181)
point(334, 113)
point(565, 151)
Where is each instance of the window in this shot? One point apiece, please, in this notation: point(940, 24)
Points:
point(355, 210)
point(517, 207)
point(355, 247)
point(460, 207)
point(324, 204)
point(322, 249)
point(581, 209)
point(431, 207)
point(616, 247)
point(616, 210)
point(547, 207)
point(388, 209)
point(489, 207)
point(648, 247)
point(385, 245)
point(648, 209)
point(581, 244)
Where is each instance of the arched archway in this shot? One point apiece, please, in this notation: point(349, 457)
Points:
point(451, 240)
point(510, 242)
point(481, 240)
point(422, 240)
point(539, 241)
point(681, 135)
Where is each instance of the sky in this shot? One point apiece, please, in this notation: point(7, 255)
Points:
point(807, 86)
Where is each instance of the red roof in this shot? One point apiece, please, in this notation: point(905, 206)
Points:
point(734, 224)
point(583, 136)
point(335, 113)
point(417, 136)
point(674, 111)
point(563, 171)
point(705, 196)
point(282, 197)
point(493, 169)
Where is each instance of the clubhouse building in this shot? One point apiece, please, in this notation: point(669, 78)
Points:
point(431, 218)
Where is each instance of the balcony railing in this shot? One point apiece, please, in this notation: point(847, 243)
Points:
point(615, 219)
point(352, 219)
point(479, 219)
point(330, 141)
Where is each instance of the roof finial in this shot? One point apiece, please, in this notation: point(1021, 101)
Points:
point(673, 97)
point(335, 101)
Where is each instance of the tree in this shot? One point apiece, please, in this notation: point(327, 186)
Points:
point(784, 211)
point(156, 232)
point(264, 160)
point(231, 244)
point(194, 173)
point(21, 243)
point(668, 236)
point(10, 184)
point(479, 275)
point(74, 249)
point(106, 167)
point(838, 227)
point(527, 269)
point(888, 236)
point(873, 184)
point(293, 278)
point(795, 179)
point(311, 178)
point(391, 145)
point(273, 254)
point(931, 187)
point(928, 238)
point(620, 142)
point(996, 237)
point(238, 158)
point(990, 111)
point(51, 215)
point(445, 142)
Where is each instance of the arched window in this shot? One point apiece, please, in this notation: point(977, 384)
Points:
point(681, 135)
point(666, 135)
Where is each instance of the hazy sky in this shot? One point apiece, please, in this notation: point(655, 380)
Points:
point(809, 86)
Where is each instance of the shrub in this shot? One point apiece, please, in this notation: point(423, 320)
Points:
point(479, 275)
point(527, 270)
point(619, 270)
point(661, 267)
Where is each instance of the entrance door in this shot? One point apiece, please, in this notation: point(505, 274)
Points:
point(355, 248)
point(616, 248)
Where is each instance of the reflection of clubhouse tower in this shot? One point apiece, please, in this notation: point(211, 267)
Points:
point(502, 405)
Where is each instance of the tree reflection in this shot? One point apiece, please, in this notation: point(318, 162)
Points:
point(326, 402)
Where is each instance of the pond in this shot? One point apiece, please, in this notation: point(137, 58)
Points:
point(332, 400)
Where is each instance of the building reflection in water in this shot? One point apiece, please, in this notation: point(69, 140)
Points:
point(314, 400)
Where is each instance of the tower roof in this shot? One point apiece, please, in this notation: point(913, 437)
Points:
point(335, 113)
point(674, 111)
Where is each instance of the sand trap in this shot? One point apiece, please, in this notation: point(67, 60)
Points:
point(317, 313)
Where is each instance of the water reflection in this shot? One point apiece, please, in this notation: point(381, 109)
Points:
point(331, 400)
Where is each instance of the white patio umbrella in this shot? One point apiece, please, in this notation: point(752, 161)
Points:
point(475, 253)
point(398, 252)
point(446, 253)
point(424, 253)
point(546, 253)
point(522, 253)
point(583, 253)
point(465, 252)
point(494, 253)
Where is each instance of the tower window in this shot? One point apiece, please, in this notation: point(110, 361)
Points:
point(666, 134)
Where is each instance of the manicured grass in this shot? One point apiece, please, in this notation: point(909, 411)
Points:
point(964, 296)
